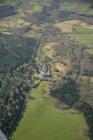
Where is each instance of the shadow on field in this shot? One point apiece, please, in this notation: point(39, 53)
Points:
point(7, 10)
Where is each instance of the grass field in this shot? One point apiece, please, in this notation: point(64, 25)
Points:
point(82, 34)
point(80, 31)
point(9, 2)
point(77, 25)
point(89, 51)
point(42, 121)
point(48, 49)
point(76, 7)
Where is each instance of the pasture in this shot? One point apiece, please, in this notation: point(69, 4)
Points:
point(43, 121)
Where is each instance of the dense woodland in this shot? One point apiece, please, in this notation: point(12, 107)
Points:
point(15, 79)
point(13, 89)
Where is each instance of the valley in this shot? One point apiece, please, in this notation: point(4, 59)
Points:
point(46, 69)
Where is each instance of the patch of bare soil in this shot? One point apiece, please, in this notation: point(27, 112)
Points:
point(61, 67)
point(84, 131)
point(87, 78)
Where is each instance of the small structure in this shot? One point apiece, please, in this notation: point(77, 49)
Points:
point(45, 72)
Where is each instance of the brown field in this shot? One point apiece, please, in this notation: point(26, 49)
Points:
point(67, 26)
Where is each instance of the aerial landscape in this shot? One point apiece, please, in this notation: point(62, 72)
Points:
point(46, 70)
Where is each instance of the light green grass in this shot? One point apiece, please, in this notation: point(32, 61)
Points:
point(83, 37)
point(77, 7)
point(82, 34)
point(12, 2)
point(40, 2)
point(89, 51)
point(47, 52)
point(37, 8)
point(42, 121)
point(83, 30)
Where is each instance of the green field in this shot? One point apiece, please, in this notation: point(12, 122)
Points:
point(76, 7)
point(89, 51)
point(82, 34)
point(42, 121)
point(9, 1)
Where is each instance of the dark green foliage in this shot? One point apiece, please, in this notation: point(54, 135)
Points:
point(15, 50)
point(68, 92)
point(87, 110)
point(12, 97)
point(7, 10)
point(16, 58)
point(79, 96)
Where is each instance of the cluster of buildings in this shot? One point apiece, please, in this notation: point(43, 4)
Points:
point(45, 72)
